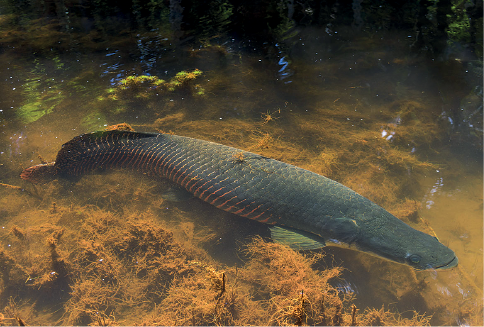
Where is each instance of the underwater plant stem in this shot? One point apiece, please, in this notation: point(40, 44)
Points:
point(18, 188)
point(353, 315)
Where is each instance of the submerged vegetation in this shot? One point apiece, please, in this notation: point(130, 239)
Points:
point(129, 269)
point(136, 87)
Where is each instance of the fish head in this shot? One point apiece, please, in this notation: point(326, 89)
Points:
point(397, 241)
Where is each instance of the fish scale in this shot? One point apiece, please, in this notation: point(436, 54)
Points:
point(306, 208)
point(250, 187)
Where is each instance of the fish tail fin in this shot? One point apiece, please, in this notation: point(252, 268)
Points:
point(73, 156)
point(39, 174)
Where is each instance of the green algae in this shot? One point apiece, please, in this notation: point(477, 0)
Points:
point(148, 87)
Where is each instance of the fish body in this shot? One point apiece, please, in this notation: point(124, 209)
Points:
point(300, 205)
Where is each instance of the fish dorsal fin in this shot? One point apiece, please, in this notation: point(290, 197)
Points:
point(296, 239)
point(108, 136)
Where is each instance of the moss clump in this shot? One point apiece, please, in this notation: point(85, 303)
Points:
point(144, 86)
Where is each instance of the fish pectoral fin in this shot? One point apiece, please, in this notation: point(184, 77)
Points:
point(296, 239)
point(344, 229)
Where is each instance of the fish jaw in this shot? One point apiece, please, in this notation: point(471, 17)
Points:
point(451, 264)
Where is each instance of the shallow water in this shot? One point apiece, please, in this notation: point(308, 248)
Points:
point(360, 109)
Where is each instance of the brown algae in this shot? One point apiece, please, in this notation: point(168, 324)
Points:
point(129, 268)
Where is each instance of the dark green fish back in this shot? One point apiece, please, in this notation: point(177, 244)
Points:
point(236, 181)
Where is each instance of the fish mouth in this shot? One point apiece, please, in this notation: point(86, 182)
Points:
point(452, 263)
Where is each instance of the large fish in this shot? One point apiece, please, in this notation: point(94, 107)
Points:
point(305, 209)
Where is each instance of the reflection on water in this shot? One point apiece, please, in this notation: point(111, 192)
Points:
point(358, 107)
point(428, 199)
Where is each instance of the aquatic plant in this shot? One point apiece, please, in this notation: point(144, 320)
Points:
point(184, 77)
point(129, 268)
point(146, 86)
point(136, 86)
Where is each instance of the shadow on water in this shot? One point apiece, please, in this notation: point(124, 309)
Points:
point(384, 98)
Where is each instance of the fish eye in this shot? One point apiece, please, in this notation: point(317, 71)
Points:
point(414, 258)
